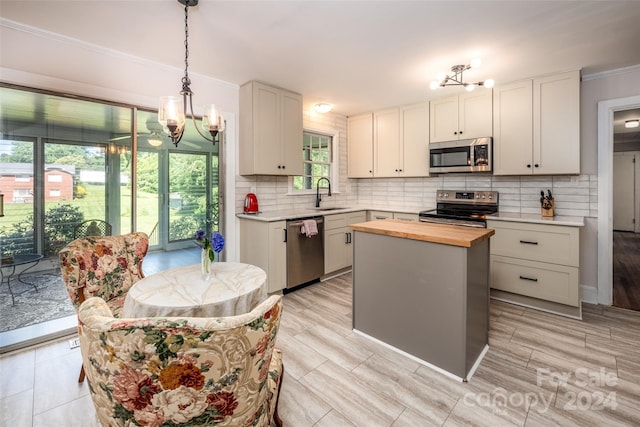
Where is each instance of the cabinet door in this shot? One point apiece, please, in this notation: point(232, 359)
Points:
point(291, 154)
point(475, 114)
point(386, 143)
point(335, 253)
point(414, 140)
point(513, 129)
point(556, 123)
point(360, 146)
point(277, 273)
point(443, 119)
point(266, 130)
point(353, 218)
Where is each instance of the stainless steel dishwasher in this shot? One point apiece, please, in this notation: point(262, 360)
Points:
point(305, 255)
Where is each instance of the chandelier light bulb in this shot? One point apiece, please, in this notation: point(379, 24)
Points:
point(470, 87)
point(212, 120)
point(435, 84)
point(475, 63)
point(489, 83)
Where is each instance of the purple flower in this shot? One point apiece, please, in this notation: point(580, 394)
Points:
point(217, 241)
point(200, 235)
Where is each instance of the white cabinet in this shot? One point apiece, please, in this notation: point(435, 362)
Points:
point(513, 128)
point(338, 239)
point(376, 215)
point(390, 143)
point(537, 126)
point(465, 116)
point(386, 143)
point(270, 130)
point(263, 244)
point(414, 134)
point(360, 146)
point(406, 216)
point(400, 141)
point(536, 265)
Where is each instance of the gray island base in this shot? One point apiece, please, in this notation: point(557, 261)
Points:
point(426, 299)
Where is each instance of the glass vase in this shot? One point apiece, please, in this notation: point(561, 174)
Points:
point(205, 264)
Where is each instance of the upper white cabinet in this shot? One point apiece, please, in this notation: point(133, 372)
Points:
point(386, 143)
point(414, 134)
point(390, 143)
point(465, 116)
point(537, 126)
point(270, 130)
point(360, 146)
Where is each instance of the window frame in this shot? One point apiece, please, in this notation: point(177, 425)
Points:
point(334, 164)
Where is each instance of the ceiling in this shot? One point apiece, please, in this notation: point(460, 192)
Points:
point(358, 55)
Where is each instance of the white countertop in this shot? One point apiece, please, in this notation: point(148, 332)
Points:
point(285, 214)
point(572, 221)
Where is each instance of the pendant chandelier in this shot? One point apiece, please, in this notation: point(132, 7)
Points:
point(173, 109)
point(455, 79)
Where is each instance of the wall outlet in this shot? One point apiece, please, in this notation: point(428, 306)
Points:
point(74, 343)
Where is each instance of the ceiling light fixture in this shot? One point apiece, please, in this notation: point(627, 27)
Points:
point(171, 113)
point(455, 79)
point(632, 123)
point(323, 107)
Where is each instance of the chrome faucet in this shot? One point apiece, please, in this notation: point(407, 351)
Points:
point(318, 199)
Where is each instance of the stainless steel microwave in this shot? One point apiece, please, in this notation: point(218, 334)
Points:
point(467, 155)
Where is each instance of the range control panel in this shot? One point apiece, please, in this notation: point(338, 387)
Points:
point(467, 197)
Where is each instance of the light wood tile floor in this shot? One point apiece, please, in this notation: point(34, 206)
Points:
point(541, 370)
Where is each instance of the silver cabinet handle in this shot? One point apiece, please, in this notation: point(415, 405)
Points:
point(531, 279)
point(528, 242)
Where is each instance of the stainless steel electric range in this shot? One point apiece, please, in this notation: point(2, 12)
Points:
point(458, 207)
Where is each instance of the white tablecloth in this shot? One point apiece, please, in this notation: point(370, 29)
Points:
point(232, 289)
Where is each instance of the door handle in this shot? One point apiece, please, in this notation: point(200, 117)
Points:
point(346, 238)
point(285, 235)
point(531, 279)
point(528, 242)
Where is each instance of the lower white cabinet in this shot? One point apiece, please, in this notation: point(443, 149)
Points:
point(536, 261)
point(374, 215)
point(263, 244)
point(338, 252)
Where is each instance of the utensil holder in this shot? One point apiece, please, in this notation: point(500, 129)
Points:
point(548, 209)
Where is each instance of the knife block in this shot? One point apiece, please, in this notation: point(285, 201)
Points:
point(547, 209)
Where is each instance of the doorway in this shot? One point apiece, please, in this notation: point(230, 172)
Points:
point(626, 209)
point(606, 111)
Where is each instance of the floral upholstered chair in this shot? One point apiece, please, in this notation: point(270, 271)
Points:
point(191, 371)
point(103, 266)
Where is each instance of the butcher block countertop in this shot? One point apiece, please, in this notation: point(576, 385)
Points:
point(453, 235)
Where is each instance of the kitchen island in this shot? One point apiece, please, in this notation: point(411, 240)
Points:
point(423, 289)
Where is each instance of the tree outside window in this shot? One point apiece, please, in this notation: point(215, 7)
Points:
point(317, 158)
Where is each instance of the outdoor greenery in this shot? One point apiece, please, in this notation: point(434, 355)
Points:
point(187, 177)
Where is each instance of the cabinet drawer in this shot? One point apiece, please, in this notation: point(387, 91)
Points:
point(536, 242)
point(406, 216)
point(549, 282)
point(375, 215)
point(335, 221)
point(357, 217)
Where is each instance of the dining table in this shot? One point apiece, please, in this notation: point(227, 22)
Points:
point(231, 289)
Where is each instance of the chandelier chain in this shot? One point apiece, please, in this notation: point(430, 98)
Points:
point(185, 80)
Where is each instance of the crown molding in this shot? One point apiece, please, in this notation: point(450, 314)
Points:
point(611, 73)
